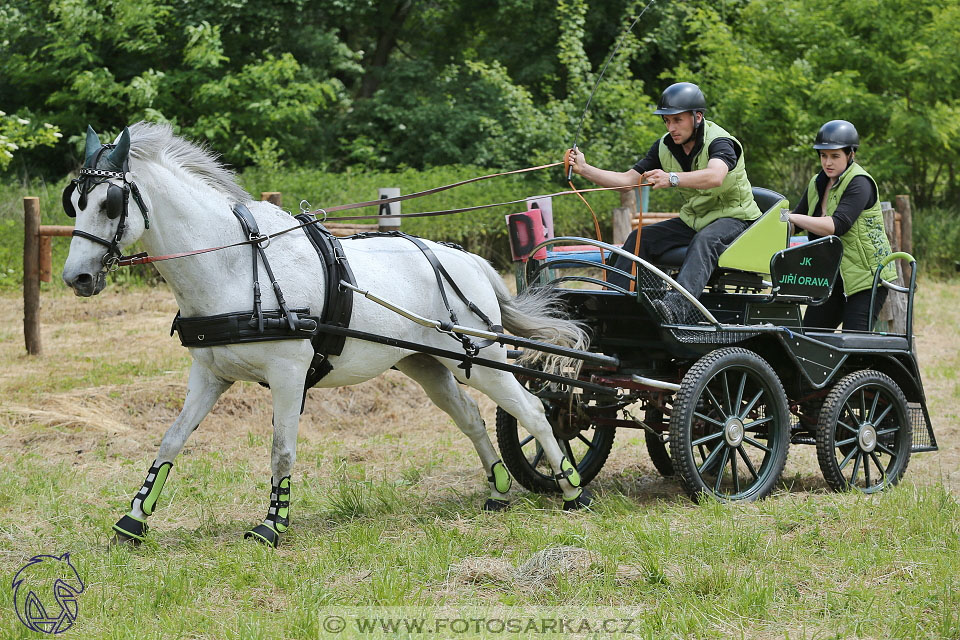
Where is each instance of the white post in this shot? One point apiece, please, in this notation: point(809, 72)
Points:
point(387, 222)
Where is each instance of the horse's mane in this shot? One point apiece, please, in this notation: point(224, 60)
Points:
point(157, 142)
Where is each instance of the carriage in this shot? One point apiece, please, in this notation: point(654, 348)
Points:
point(722, 391)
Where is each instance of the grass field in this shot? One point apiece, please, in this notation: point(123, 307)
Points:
point(386, 521)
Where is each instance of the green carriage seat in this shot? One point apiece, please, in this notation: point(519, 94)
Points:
point(752, 250)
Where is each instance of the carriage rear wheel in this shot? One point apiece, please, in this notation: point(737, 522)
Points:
point(657, 448)
point(730, 427)
point(585, 444)
point(864, 434)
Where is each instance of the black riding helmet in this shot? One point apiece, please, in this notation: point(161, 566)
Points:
point(680, 97)
point(837, 134)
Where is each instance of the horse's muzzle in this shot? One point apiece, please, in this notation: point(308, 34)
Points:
point(86, 284)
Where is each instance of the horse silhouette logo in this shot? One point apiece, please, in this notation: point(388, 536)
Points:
point(32, 587)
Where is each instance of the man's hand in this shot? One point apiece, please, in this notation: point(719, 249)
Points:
point(659, 178)
point(577, 161)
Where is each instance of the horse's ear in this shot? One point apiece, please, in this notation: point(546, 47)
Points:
point(93, 145)
point(118, 156)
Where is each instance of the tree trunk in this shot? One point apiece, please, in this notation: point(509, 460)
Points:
point(387, 34)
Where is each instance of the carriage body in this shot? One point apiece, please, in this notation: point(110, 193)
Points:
point(722, 393)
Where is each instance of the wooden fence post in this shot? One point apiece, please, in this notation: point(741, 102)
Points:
point(273, 197)
point(906, 228)
point(894, 310)
point(31, 275)
point(623, 214)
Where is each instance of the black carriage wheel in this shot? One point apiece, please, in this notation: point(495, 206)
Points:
point(659, 453)
point(864, 434)
point(521, 452)
point(730, 427)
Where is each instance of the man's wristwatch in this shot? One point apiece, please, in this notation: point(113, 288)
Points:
point(674, 179)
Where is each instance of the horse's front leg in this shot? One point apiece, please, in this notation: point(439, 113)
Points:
point(203, 389)
point(287, 391)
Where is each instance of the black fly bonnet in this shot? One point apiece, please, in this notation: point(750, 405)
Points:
point(98, 168)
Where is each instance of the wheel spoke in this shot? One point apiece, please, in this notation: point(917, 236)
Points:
point(583, 439)
point(746, 460)
point(706, 439)
point(756, 444)
point(756, 423)
point(856, 468)
point(708, 419)
point(536, 458)
point(743, 414)
point(723, 466)
point(876, 461)
point(846, 426)
point(569, 449)
point(873, 407)
point(525, 441)
point(709, 461)
point(866, 471)
point(887, 432)
point(846, 404)
point(845, 442)
point(846, 460)
point(883, 415)
point(863, 405)
point(733, 470)
point(743, 383)
point(889, 452)
point(713, 399)
point(726, 393)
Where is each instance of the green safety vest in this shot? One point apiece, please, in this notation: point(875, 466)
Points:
point(865, 243)
point(732, 199)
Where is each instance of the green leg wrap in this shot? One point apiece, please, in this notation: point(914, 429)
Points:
point(146, 498)
point(568, 472)
point(499, 477)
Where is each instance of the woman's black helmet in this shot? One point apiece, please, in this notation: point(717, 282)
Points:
point(837, 134)
point(680, 97)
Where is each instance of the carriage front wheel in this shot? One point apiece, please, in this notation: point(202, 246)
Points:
point(864, 434)
point(585, 444)
point(730, 427)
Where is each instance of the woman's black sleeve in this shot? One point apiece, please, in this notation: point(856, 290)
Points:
point(858, 195)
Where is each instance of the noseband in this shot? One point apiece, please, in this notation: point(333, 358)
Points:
point(117, 204)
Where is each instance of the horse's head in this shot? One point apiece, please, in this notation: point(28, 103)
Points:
point(100, 200)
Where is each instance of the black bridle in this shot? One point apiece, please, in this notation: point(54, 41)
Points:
point(117, 204)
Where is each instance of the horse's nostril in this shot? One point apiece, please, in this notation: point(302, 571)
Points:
point(84, 279)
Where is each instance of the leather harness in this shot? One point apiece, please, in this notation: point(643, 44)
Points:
point(326, 332)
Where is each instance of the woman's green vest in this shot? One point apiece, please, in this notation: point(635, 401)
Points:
point(732, 199)
point(865, 243)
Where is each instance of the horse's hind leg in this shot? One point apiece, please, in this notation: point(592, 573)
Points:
point(510, 396)
point(442, 388)
point(203, 389)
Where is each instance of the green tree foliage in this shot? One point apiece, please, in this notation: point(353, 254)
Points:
point(389, 84)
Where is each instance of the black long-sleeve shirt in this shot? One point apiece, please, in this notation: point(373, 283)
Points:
point(858, 195)
point(722, 148)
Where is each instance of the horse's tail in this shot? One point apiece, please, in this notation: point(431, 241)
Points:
point(537, 314)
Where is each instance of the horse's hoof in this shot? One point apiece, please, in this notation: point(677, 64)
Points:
point(120, 540)
point(495, 504)
point(264, 535)
point(129, 530)
point(582, 501)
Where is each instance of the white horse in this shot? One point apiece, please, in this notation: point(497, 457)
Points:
point(187, 196)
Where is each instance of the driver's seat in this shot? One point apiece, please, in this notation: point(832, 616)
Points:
point(753, 249)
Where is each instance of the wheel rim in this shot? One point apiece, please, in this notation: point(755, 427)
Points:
point(867, 438)
point(734, 433)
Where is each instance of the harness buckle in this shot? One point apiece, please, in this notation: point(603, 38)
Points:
point(260, 239)
point(111, 262)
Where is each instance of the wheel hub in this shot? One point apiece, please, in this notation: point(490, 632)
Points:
point(867, 437)
point(733, 431)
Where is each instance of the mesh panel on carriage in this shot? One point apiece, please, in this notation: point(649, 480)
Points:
point(670, 307)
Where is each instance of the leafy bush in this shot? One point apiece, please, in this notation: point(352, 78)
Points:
point(936, 241)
